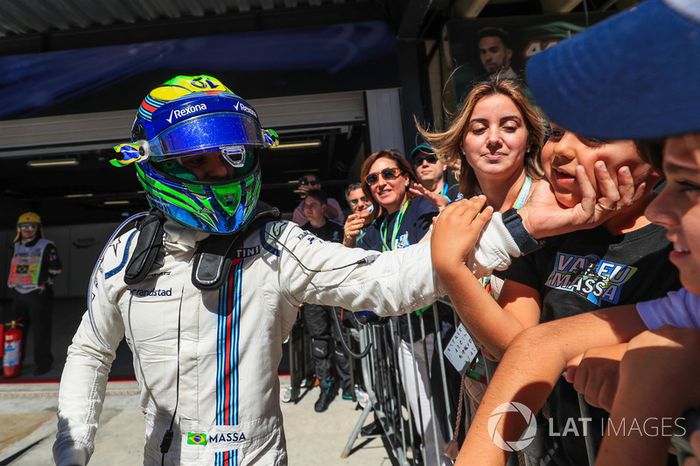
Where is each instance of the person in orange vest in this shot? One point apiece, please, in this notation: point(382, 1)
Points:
point(35, 264)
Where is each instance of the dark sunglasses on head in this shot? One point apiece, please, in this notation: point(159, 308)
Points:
point(354, 202)
point(388, 174)
point(430, 158)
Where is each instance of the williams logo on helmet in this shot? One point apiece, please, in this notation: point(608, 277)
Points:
point(190, 109)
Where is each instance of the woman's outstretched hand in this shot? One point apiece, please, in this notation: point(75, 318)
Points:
point(456, 231)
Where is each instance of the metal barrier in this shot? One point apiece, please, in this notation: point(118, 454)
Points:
point(396, 375)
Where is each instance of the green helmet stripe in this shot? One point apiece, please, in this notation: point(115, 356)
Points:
point(165, 189)
point(198, 212)
point(229, 196)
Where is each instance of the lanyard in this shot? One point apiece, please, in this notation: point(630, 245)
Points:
point(395, 231)
point(524, 192)
point(444, 190)
point(519, 201)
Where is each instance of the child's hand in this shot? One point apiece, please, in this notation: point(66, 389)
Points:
point(543, 216)
point(456, 232)
point(595, 374)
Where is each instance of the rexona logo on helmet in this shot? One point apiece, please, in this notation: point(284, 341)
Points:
point(196, 147)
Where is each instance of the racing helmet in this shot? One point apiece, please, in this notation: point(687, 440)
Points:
point(196, 146)
point(29, 217)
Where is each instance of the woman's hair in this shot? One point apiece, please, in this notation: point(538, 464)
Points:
point(448, 144)
point(401, 162)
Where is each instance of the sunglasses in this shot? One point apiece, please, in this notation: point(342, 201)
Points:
point(388, 174)
point(430, 158)
point(308, 181)
point(354, 202)
point(29, 226)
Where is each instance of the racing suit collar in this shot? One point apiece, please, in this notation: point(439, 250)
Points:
point(181, 238)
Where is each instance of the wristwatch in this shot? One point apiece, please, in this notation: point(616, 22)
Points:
point(514, 223)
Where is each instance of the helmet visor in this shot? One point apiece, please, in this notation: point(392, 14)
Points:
point(214, 166)
point(207, 132)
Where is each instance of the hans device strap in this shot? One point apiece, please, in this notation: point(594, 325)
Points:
point(209, 271)
point(148, 246)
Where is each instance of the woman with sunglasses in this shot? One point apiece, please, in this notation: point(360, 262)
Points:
point(402, 218)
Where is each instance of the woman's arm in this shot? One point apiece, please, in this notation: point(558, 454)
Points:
point(493, 326)
point(455, 232)
point(530, 368)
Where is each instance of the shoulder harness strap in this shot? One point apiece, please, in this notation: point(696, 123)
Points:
point(209, 271)
point(148, 247)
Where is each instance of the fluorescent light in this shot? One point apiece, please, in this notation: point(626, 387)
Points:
point(76, 196)
point(52, 163)
point(121, 202)
point(298, 145)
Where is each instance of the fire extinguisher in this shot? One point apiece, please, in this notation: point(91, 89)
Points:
point(12, 358)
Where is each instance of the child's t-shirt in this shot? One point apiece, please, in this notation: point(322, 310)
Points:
point(585, 271)
point(678, 308)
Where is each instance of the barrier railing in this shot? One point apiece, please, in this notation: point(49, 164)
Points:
point(416, 419)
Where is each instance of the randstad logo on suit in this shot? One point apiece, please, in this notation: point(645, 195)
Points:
point(152, 292)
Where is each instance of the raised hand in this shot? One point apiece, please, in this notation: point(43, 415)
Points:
point(543, 216)
point(438, 199)
point(456, 231)
point(353, 224)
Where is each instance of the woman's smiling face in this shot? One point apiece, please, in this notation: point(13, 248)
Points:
point(390, 194)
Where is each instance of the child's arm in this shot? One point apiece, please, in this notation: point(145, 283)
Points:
point(659, 379)
point(531, 367)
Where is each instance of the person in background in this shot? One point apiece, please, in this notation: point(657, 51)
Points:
point(429, 171)
point(495, 52)
point(360, 217)
point(306, 183)
point(401, 218)
point(35, 264)
point(326, 346)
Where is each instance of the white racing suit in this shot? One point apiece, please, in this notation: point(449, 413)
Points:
point(214, 354)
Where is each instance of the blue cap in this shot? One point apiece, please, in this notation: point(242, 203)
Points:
point(635, 75)
point(422, 147)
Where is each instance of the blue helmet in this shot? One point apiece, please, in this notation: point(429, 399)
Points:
point(196, 146)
